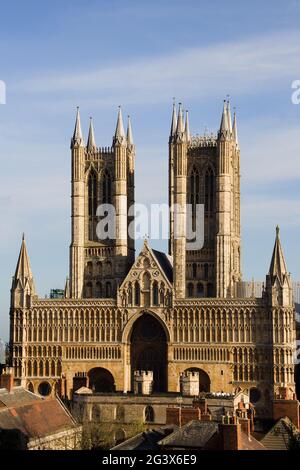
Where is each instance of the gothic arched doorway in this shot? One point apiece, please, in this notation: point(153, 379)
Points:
point(149, 350)
point(101, 380)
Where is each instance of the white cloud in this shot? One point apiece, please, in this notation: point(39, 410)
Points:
point(249, 66)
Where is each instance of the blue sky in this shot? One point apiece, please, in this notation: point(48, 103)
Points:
point(99, 54)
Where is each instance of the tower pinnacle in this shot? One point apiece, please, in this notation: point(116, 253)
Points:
point(77, 139)
point(278, 265)
point(234, 130)
point(224, 126)
point(174, 121)
point(229, 115)
point(91, 143)
point(180, 125)
point(129, 132)
point(187, 126)
point(120, 133)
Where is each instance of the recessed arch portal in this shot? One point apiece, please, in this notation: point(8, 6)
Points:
point(148, 350)
point(101, 380)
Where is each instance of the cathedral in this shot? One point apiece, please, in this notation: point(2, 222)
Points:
point(163, 313)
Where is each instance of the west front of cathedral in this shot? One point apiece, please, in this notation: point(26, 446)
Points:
point(167, 314)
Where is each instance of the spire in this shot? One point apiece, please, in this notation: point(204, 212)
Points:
point(278, 266)
point(187, 126)
point(229, 116)
point(129, 132)
point(23, 270)
point(180, 127)
point(77, 138)
point(119, 134)
point(234, 130)
point(67, 289)
point(174, 120)
point(91, 143)
point(224, 127)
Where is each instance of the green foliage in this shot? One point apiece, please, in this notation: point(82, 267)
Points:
point(97, 436)
point(293, 437)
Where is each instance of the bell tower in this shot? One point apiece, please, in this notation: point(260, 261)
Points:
point(205, 170)
point(100, 176)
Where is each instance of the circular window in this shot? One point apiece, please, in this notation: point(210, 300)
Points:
point(44, 389)
point(254, 395)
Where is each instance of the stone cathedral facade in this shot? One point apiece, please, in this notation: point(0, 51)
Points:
point(165, 313)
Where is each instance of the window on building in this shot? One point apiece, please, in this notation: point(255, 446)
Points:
point(149, 414)
point(194, 193)
point(92, 204)
point(108, 289)
point(137, 293)
point(190, 289)
point(200, 289)
point(155, 293)
point(206, 271)
point(209, 190)
point(194, 268)
point(106, 188)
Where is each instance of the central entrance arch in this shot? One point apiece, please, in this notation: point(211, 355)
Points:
point(148, 350)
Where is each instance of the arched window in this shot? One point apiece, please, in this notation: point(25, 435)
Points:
point(93, 202)
point(96, 414)
point(137, 293)
point(209, 190)
point(146, 288)
point(88, 290)
point(194, 193)
point(194, 270)
point(98, 289)
point(155, 293)
point(108, 268)
point(200, 290)
point(120, 413)
point(92, 188)
point(190, 289)
point(149, 414)
point(35, 369)
point(210, 290)
point(99, 268)
point(89, 268)
point(108, 289)
point(206, 271)
point(106, 188)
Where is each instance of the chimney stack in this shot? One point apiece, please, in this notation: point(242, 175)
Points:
point(7, 379)
point(230, 434)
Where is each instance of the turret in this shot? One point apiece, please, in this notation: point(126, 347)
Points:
point(229, 117)
point(120, 152)
point(22, 288)
point(224, 286)
point(278, 280)
point(130, 188)
point(67, 289)
point(91, 143)
point(171, 176)
point(180, 188)
point(234, 131)
point(187, 127)
point(77, 196)
point(77, 139)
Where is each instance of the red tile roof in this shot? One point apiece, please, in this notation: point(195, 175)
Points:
point(37, 419)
